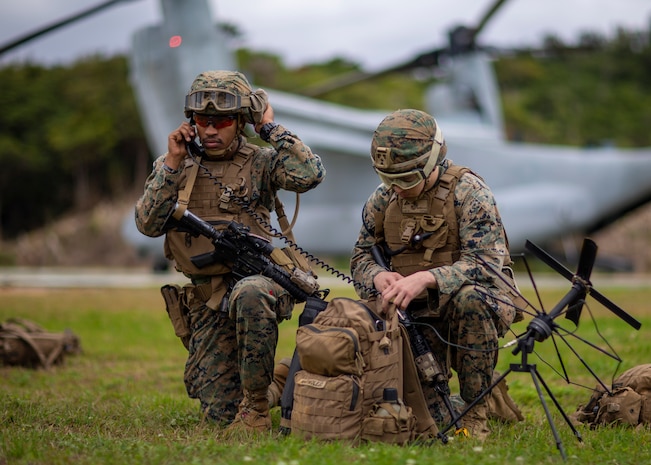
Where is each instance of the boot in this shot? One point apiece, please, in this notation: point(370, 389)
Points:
point(275, 392)
point(252, 416)
point(476, 422)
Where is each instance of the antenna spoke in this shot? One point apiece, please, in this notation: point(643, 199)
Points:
point(582, 279)
point(615, 309)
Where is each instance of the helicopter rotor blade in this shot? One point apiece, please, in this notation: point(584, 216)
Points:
point(461, 39)
point(486, 18)
point(56, 25)
point(428, 59)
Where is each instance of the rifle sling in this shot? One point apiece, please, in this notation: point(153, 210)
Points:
point(184, 195)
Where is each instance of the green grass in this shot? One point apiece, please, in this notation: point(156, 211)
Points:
point(122, 401)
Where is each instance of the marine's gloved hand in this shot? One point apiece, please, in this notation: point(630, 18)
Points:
point(259, 104)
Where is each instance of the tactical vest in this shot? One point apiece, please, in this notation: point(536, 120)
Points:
point(215, 202)
point(431, 218)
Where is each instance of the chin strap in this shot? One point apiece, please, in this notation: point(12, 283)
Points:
point(224, 153)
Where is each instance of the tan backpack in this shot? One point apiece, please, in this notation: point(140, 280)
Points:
point(25, 343)
point(628, 403)
point(349, 357)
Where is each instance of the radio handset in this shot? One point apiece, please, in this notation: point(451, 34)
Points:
point(194, 149)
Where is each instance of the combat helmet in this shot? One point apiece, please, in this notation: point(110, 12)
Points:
point(225, 92)
point(407, 145)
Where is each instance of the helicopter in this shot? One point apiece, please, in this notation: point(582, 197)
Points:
point(543, 192)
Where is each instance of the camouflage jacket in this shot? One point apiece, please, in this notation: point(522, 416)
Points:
point(288, 165)
point(480, 233)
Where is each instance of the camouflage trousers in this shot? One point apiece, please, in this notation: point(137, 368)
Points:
point(234, 351)
point(468, 324)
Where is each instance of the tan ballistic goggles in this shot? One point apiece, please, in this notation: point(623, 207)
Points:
point(409, 179)
point(221, 99)
point(404, 181)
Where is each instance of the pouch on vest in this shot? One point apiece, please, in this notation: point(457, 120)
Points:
point(177, 311)
point(25, 343)
point(435, 231)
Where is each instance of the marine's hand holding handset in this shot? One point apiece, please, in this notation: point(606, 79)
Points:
point(194, 149)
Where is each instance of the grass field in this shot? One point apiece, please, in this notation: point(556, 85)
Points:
point(122, 401)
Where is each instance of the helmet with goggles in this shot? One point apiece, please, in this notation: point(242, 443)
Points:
point(225, 93)
point(407, 145)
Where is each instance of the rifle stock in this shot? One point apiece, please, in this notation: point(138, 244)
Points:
point(203, 260)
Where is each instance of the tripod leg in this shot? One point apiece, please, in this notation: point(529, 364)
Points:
point(474, 402)
point(536, 377)
point(558, 406)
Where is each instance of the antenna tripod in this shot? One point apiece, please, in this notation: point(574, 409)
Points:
point(525, 346)
point(543, 326)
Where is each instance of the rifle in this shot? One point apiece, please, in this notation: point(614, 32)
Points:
point(428, 366)
point(248, 254)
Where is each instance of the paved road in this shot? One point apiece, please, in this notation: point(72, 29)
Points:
point(85, 278)
point(138, 278)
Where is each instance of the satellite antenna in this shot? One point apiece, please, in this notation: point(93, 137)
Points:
point(543, 325)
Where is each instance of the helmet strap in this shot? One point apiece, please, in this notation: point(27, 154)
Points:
point(431, 161)
point(227, 153)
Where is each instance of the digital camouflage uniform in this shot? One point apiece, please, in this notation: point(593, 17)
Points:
point(459, 309)
point(234, 350)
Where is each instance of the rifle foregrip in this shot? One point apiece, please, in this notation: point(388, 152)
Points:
point(285, 281)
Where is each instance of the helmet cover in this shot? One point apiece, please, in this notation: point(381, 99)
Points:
point(224, 92)
point(405, 140)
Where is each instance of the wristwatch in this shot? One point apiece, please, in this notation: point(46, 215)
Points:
point(265, 131)
point(169, 170)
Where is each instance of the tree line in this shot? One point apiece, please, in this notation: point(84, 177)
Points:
point(71, 136)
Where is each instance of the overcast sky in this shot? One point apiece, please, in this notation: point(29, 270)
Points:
point(375, 33)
